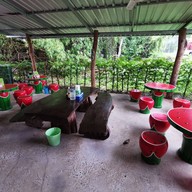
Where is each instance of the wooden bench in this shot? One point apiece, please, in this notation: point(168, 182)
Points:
point(94, 123)
point(55, 108)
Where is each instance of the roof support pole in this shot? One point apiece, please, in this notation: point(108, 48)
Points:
point(31, 52)
point(182, 43)
point(93, 58)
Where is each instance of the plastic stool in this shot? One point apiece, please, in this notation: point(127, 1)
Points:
point(178, 102)
point(21, 85)
point(159, 122)
point(5, 102)
point(24, 101)
point(38, 87)
point(54, 87)
point(135, 94)
point(153, 146)
point(46, 89)
point(18, 93)
point(29, 90)
point(146, 104)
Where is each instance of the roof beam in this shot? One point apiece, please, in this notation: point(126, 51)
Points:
point(99, 26)
point(17, 8)
point(186, 24)
point(106, 34)
point(78, 15)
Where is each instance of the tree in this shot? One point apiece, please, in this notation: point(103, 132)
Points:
point(138, 47)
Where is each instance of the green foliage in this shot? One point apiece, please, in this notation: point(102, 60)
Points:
point(9, 47)
point(53, 48)
point(77, 47)
point(138, 47)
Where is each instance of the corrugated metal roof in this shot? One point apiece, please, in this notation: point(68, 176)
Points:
point(57, 18)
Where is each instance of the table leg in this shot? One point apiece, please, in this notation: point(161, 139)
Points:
point(68, 125)
point(158, 98)
point(185, 152)
point(5, 102)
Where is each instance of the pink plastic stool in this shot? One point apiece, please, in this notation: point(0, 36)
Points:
point(146, 104)
point(24, 101)
point(135, 94)
point(18, 93)
point(54, 87)
point(178, 102)
point(159, 122)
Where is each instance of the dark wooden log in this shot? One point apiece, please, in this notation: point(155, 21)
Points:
point(182, 43)
point(94, 123)
point(55, 108)
point(93, 58)
point(85, 105)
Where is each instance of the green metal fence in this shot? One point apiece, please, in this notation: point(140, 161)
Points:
point(113, 77)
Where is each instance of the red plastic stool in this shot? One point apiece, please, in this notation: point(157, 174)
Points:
point(18, 93)
point(44, 82)
point(146, 104)
point(54, 87)
point(29, 90)
point(24, 101)
point(178, 102)
point(21, 85)
point(153, 146)
point(135, 94)
point(159, 122)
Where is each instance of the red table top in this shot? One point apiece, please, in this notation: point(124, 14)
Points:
point(163, 87)
point(8, 87)
point(181, 119)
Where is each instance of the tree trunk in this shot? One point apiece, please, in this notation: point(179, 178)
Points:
point(119, 48)
point(182, 43)
point(31, 52)
point(93, 58)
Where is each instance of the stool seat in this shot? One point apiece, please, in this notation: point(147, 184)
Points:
point(135, 95)
point(159, 122)
point(29, 90)
point(145, 104)
point(153, 146)
point(54, 87)
point(179, 102)
point(24, 101)
point(18, 93)
point(21, 85)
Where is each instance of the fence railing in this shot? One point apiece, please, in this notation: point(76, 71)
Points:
point(114, 78)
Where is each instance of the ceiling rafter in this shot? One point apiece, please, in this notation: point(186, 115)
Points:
point(78, 15)
point(15, 7)
point(106, 34)
point(99, 26)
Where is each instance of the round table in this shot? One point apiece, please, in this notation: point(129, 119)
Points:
point(181, 119)
point(38, 83)
point(5, 102)
point(158, 90)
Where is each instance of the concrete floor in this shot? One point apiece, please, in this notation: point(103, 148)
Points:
point(29, 164)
